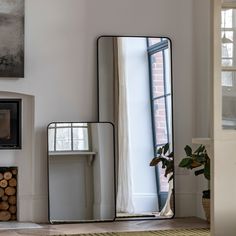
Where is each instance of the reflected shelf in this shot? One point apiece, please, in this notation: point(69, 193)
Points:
point(90, 155)
point(71, 153)
point(204, 141)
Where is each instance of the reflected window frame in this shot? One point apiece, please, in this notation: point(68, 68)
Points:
point(152, 49)
point(228, 27)
point(71, 126)
point(228, 63)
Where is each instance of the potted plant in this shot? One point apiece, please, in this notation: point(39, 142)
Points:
point(199, 159)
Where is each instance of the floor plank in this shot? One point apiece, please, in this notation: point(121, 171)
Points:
point(117, 226)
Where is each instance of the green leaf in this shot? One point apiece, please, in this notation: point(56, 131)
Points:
point(159, 151)
point(171, 154)
point(168, 171)
point(207, 158)
point(203, 149)
point(155, 161)
point(198, 150)
point(207, 171)
point(169, 167)
point(206, 194)
point(186, 162)
point(200, 158)
point(195, 164)
point(166, 148)
point(164, 162)
point(199, 172)
point(188, 150)
point(197, 159)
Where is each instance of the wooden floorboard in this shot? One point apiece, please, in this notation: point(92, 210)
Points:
point(117, 226)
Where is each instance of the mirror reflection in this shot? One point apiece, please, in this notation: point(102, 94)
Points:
point(81, 171)
point(228, 68)
point(135, 93)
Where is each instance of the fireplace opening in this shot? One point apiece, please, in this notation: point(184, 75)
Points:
point(8, 193)
point(10, 123)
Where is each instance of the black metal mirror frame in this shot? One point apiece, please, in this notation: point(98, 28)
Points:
point(172, 117)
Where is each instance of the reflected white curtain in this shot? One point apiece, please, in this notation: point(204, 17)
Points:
point(124, 191)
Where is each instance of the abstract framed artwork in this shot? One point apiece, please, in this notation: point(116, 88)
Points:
point(10, 123)
point(12, 38)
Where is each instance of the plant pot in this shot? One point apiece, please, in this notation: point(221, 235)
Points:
point(206, 206)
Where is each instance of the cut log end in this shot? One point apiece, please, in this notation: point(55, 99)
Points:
point(3, 183)
point(14, 171)
point(12, 200)
point(5, 215)
point(13, 217)
point(4, 198)
point(12, 182)
point(8, 188)
point(12, 209)
point(10, 191)
point(4, 206)
point(2, 192)
point(7, 175)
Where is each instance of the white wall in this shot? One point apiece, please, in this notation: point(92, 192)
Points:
point(106, 72)
point(71, 188)
point(60, 72)
point(202, 85)
point(202, 70)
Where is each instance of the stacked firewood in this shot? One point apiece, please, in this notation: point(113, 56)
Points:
point(8, 186)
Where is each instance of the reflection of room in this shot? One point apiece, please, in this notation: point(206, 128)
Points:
point(140, 94)
point(79, 154)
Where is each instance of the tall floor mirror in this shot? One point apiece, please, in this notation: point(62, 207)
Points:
point(135, 93)
point(81, 172)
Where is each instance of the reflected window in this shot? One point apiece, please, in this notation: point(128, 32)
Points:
point(228, 64)
point(160, 80)
point(227, 78)
point(160, 84)
point(227, 35)
point(68, 137)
